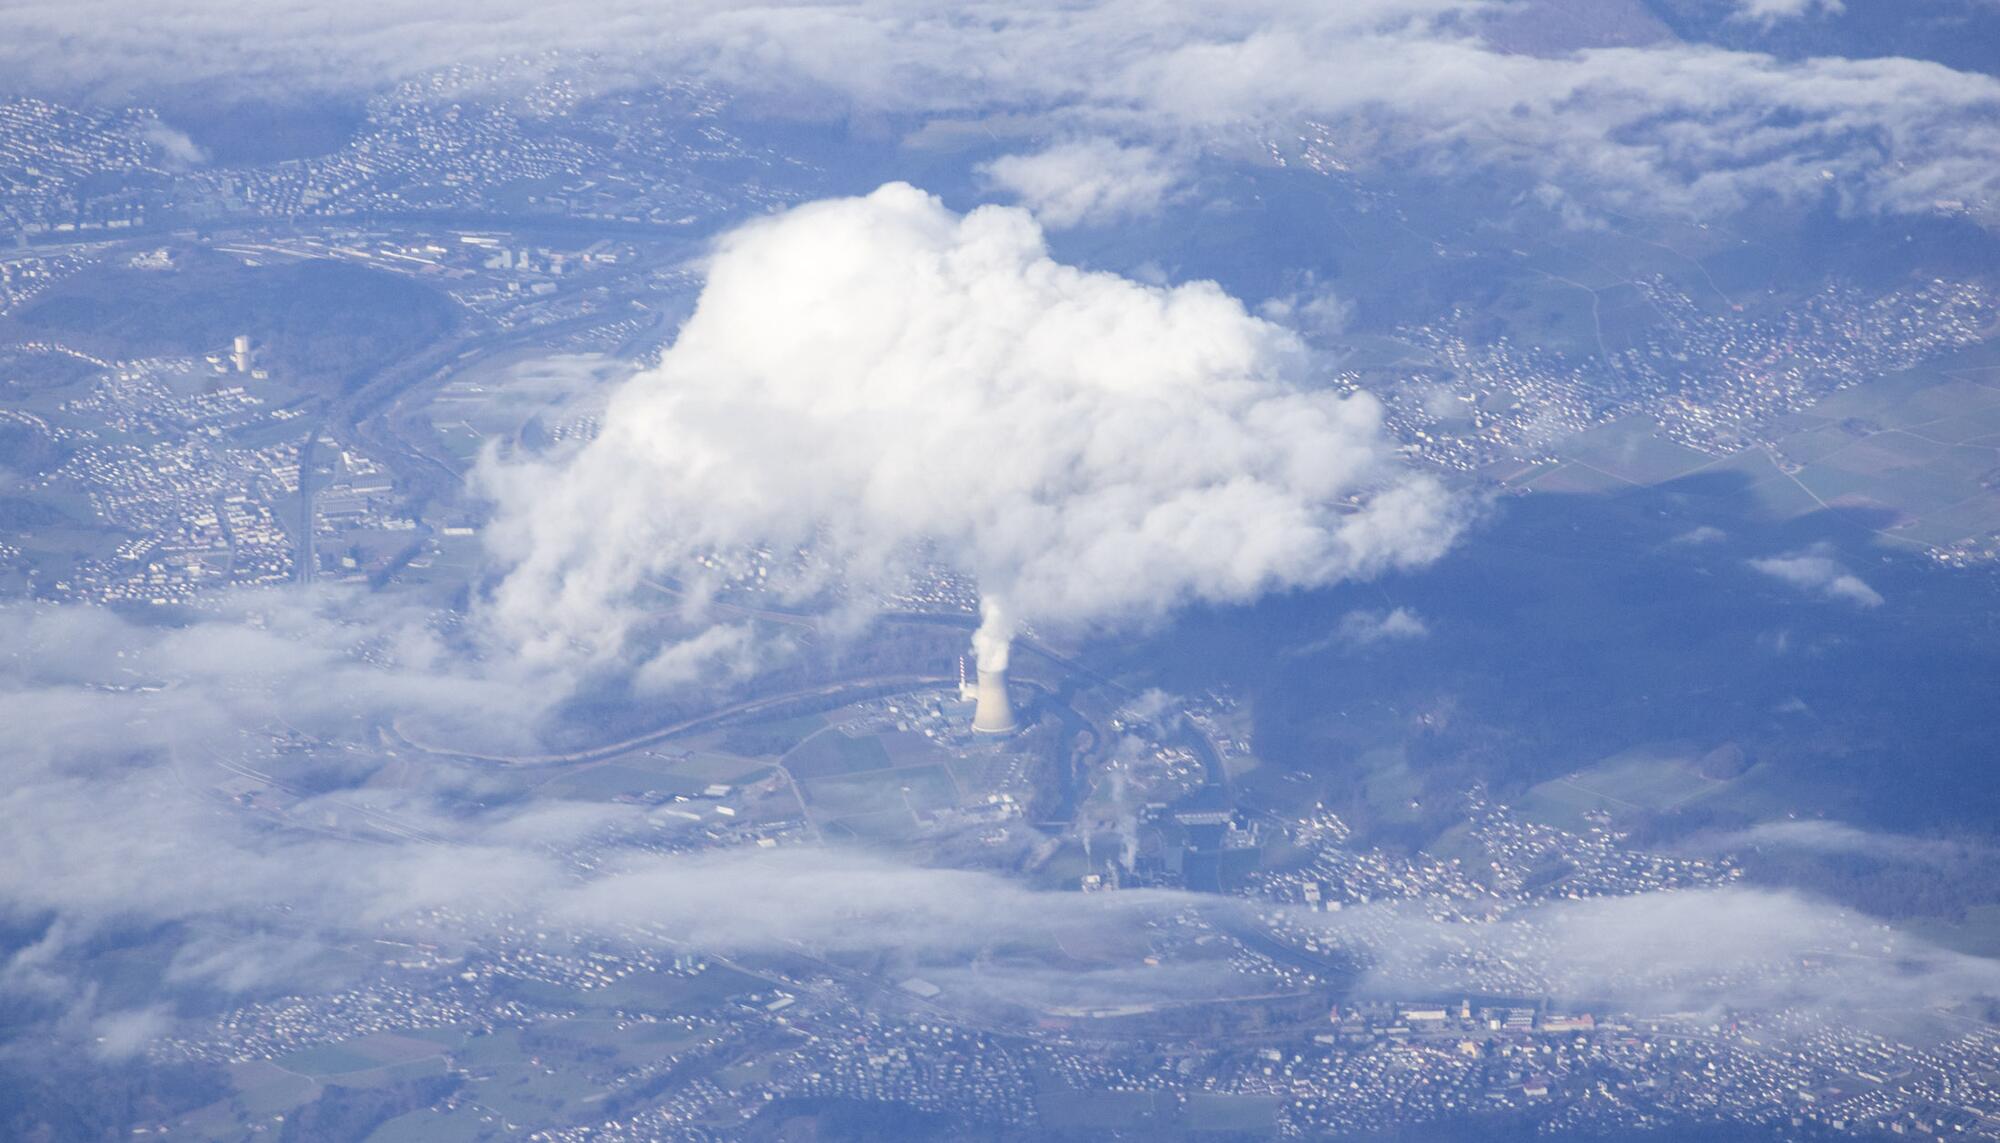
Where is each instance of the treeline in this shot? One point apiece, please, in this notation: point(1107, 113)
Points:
point(342, 1114)
point(55, 1098)
point(28, 450)
point(828, 1120)
point(1938, 880)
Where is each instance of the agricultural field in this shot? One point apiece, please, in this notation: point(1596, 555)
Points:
point(830, 753)
point(914, 791)
point(1633, 450)
point(1231, 1113)
point(607, 780)
point(1067, 1109)
point(1654, 779)
point(1922, 448)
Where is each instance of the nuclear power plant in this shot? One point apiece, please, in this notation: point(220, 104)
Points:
point(993, 714)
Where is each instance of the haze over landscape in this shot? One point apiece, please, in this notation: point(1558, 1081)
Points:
point(1410, 569)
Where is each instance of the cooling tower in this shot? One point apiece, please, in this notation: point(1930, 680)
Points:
point(994, 714)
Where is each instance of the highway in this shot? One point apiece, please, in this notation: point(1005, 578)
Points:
point(368, 417)
point(850, 690)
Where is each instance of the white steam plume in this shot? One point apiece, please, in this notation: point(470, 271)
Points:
point(993, 643)
point(875, 376)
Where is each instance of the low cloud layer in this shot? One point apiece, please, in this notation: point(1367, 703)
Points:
point(108, 825)
point(1676, 126)
point(879, 379)
point(1691, 950)
point(1832, 838)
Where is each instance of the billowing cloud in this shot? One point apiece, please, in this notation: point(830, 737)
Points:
point(1086, 181)
point(1817, 572)
point(879, 378)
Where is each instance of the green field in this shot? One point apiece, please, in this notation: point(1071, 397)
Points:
point(522, 1093)
point(1633, 449)
point(765, 738)
point(1769, 492)
point(702, 767)
point(1220, 871)
point(1067, 1109)
point(452, 560)
point(667, 992)
point(262, 1090)
point(463, 441)
point(831, 753)
point(1921, 446)
point(1233, 1113)
point(910, 749)
point(271, 1089)
point(426, 1125)
point(544, 1072)
point(880, 826)
point(327, 1060)
point(1575, 478)
point(1389, 785)
point(915, 789)
point(1642, 780)
point(609, 780)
